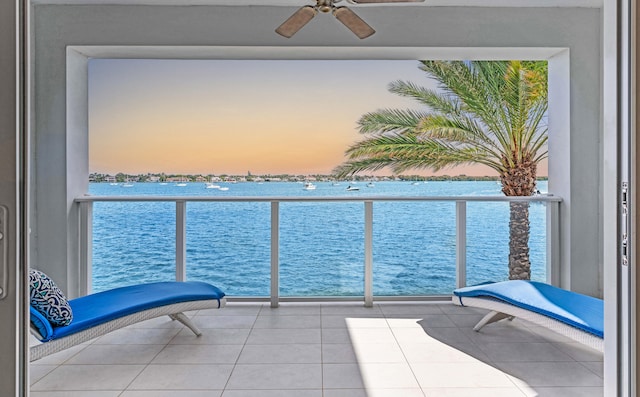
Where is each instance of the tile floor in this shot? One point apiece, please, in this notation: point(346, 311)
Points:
point(324, 350)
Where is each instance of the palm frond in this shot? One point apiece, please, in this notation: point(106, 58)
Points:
point(434, 100)
point(464, 130)
point(390, 120)
point(402, 152)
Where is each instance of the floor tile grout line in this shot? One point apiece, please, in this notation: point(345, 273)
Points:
point(55, 366)
point(600, 375)
point(406, 360)
point(226, 384)
point(493, 364)
point(126, 388)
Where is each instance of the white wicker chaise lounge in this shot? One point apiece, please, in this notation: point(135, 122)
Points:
point(577, 316)
point(98, 314)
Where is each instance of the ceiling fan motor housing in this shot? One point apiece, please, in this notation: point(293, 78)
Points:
point(324, 5)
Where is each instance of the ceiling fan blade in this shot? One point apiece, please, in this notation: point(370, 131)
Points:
point(296, 21)
point(384, 1)
point(349, 18)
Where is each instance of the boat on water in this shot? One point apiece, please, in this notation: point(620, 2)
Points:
point(309, 186)
point(223, 188)
point(352, 188)
point(370, 184)
point(127, 184)
point(181, 184)
point(210, 185)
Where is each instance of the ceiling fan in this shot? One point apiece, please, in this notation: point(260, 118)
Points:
point(349, 18)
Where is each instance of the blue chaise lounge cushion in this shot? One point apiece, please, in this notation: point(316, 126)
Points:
point(581, 311)
point(95, 309)
point(41, 324)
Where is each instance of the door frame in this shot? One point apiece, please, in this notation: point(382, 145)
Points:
point(13, 309)
point(619, 196)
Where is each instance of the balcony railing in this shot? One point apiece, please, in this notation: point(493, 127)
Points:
point(85, 233)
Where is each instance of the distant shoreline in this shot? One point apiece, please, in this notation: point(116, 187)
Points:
point(161, 177)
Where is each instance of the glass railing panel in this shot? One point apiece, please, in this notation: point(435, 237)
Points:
point(414, 248)
point(144, 252)
point(488, 241)
point(228, 245)
point(321, 249)
point(538, 240)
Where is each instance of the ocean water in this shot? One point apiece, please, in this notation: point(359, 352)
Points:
point(321, 244)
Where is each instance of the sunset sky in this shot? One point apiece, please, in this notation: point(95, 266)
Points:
point(232, 117)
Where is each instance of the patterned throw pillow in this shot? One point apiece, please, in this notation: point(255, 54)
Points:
point(48, 299)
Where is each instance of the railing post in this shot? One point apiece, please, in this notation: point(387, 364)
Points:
point(86, 246)
point(181, 240)
point(553, 243)
point(368, 253)
point(461, 244)
point(275, 253)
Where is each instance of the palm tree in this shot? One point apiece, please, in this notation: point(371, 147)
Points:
point(485, 112)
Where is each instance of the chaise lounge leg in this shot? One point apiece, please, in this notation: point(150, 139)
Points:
point(186, 321)
point(491, 317)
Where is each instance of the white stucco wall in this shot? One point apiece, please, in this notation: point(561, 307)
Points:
point(60, 139)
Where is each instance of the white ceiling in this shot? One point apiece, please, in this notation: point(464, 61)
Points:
point(293, 3)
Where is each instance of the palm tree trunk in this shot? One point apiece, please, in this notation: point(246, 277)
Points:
point(519, 180)
point(519, 263)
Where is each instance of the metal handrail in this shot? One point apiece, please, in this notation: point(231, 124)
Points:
point(266, 199)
